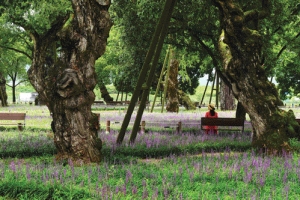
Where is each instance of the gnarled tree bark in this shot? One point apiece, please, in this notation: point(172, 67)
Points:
point(240, 48)
point(173, 104)
point(66, 82)
point(226, 97)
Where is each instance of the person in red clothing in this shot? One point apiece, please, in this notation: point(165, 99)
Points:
point(211, 114)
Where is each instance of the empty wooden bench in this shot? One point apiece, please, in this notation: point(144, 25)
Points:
point(238, 123)
point(117, 103)
point(14, 118)
point(98, 102)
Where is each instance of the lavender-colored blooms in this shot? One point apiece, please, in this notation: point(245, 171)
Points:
point(128, 176)
point(134, 190)
point(234, 166)
point(145, 193)
point(13, 166)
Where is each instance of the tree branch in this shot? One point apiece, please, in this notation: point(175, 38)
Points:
point(255, 15)
point(285, 46)
point(17, 50)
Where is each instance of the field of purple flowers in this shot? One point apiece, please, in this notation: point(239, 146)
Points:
point(161, 164)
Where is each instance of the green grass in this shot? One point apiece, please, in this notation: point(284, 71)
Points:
point(201, 168)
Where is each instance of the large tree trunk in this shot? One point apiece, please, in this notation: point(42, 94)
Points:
point(226, 97)
point(240, 48)
point(173, 104)
point(66, 83)
point(3, 94)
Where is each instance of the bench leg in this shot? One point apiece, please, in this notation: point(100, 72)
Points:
point(20, 127)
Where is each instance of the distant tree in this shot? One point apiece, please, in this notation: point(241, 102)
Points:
point(288, 78)
point(108, 65)
point(14, 66)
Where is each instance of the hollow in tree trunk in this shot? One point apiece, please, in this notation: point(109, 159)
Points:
point(240, 48)
point(66, 83)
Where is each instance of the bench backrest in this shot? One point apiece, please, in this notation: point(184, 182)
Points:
point(222, 121)
point(298, 120)
point(12, 116)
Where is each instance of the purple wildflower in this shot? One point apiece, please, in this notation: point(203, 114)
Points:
point(13, 166)
point(134, 189)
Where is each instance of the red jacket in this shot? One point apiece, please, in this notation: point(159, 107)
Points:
point(207, 114)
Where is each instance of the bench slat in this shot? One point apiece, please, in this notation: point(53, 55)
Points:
point(12, 116)
point(222, 121)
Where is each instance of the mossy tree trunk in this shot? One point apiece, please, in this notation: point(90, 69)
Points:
point(104, 93)
point(66, 83)
point(240, 48)
point(173, 104)
point(185, 100)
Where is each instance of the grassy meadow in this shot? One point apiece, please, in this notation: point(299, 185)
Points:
point(161, 164)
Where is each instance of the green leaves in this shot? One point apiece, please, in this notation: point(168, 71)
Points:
point(36, 16)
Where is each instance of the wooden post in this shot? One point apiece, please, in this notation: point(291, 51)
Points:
point(107, 127)
point(99, 125)
point(166, 80)
point(154, 51)
point(205, 89)
point(178, 129)
point(20, 127)
point(160, 78)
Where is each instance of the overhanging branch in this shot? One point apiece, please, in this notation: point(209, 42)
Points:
point(17, 50)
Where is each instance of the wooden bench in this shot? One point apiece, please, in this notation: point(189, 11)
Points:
point(98, 102)
point(116, 103)
point(298, 120)
point(235, 122)
point(15, 117)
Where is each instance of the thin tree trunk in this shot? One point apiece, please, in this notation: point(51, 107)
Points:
point(66, 83)
point(240, 48)
point(13, 87)
point(3, 94)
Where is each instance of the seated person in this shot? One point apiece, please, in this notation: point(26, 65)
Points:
point(211, 114)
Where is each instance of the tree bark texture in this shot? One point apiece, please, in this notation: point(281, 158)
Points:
point(66, 82)
point(3, 94)
point(240, 48)
point(104, 93)
point(226, 97)
point(173, 104)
